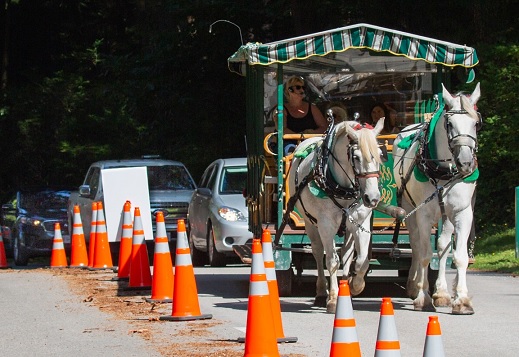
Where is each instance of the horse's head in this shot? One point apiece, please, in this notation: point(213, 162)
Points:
point(365, 158)
point(462, 122)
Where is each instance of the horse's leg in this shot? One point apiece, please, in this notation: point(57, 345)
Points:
point(441, 294)
point(347, 254)
point(318, 253)
point(412, 226)
point(327, 228)
point(422, 253)
point(462, 304)
point(362, 240)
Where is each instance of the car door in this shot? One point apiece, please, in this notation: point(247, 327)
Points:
point(198, 207)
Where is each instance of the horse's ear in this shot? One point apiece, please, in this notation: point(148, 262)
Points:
point(380, 126)
point(447, 97)
point(352, 133)
point(474, 97)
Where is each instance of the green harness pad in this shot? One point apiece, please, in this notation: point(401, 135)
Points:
point(302, 151)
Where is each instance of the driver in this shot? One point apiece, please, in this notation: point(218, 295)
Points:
point(300, 116)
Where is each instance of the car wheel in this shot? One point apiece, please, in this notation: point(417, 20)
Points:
point(198, 258)
point(19, 254)
point(216, 259)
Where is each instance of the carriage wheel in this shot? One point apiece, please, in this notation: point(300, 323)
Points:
point(284, 279)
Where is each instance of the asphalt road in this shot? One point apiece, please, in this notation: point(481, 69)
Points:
point(40, 317)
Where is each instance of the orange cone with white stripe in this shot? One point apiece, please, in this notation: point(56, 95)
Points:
point(58, 258)
point(433, 340)
point(185, 295)
point(3, 257)
point(260, 337)
point(140, 273)
point(270, 270)
point(78, 251)
point(162, 283)
point(125, 247)
point(388, 344)
point(345, 341)
point(102, 254)
point(92, 237)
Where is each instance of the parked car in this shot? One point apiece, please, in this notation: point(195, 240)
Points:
point(217, 214)
point(170, 189)
point(28, 220)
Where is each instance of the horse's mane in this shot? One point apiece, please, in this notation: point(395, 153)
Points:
point(367, 141)
point(469, 107)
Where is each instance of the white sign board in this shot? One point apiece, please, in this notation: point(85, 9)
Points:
point(121, 185)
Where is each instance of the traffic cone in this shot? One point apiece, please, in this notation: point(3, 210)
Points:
point(345, 341)
point(140, 274)
point(102, 254)
point(185, 295)
point(78, 251)
point(433, 340)
point(125, 247)
point(270, 270)
point(58, 258)
point(387, 337)
point(260, 335)
point(162, 283)
point(3, 257)
point(92, 237)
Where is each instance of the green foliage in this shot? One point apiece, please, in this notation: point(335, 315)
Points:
point(495, 251)
point(498, 155)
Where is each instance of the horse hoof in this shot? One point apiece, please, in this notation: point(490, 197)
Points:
point(424, 308)
point(320, 301)
point(331, 307)
point(462, 310)
point(442, 301)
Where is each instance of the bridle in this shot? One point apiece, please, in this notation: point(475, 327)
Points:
point(461, 139)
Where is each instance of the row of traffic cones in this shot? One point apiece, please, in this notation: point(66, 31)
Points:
point(134, 264)
point(100, 256)
point(346, 343)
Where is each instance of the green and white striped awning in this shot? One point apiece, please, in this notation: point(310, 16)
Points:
point(360, 36)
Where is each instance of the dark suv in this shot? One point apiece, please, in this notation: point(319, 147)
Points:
point(28, 221)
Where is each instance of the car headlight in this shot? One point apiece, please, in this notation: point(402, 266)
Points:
point(31, 221)
point(231, 214)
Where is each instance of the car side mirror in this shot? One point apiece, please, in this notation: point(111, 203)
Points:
point(204, 191)
point(84, 190)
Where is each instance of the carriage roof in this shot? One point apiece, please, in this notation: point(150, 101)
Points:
point(355, 48)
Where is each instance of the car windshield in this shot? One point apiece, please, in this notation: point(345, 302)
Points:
point(169, 177)
point(233, 180)
point(44, 200)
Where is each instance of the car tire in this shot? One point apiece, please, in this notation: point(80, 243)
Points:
point(198, 258)
point(216, 259)
point(19, 253)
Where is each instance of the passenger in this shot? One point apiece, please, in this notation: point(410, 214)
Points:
point(380, 110)
point(339, 112)
point(300, 116)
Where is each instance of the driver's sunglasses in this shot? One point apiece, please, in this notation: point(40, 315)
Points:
point(291, 88)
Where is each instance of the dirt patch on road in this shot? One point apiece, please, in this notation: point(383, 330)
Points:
point(180, 339)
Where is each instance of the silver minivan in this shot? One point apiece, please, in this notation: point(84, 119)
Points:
point(217, 215)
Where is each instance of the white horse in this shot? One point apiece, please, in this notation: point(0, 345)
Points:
point(346, 169)
point(449, 165)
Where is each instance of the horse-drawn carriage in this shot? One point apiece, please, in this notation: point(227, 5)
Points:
point(352, 67)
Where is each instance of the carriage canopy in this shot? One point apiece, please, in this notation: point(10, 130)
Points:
point(362, 37)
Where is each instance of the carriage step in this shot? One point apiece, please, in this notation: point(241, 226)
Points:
point(244, 252)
